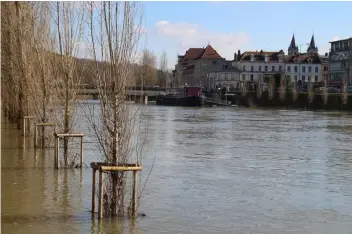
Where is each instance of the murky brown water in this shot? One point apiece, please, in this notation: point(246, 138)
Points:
point(217, 170)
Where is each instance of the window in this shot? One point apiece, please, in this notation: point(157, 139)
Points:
point(289, 68)
point(296, 69)
point(214, 62)
point(244, 68)
point(260, 68)
point(303, 78)
point(296, 77)
point(316, 79)
point(252, 77)
point(266, 68)
point(280, 68)
point(252, 68)
point(309, 78)
point(243, 77)
point(309, 69)
point(273, 68)
point(303, 69)
point(316, 69)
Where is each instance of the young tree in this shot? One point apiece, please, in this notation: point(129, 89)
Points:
point(41, 78)
point(68, 30)
point(114, 33)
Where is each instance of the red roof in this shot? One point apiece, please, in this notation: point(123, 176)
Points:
point(209, 53)
point(193, 53)
point(201, 53)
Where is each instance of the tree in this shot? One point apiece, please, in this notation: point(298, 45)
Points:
point(68, 24)
point(163, 70)
point(114, 29)
point(16, 51)
point(147, 74)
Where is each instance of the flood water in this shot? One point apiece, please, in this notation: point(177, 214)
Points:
point(216, 170)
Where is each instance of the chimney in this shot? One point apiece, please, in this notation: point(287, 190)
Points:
point(235, 57)
point(266, 57)
point(238, 55)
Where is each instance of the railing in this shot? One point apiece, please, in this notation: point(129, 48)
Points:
point(217, 101)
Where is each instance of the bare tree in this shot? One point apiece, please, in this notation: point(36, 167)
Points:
point(68, 20)
point(16, 51)
point(41, 78)
point(114, 33)
point(163, 70)
point(147, 73)
point(282, 89)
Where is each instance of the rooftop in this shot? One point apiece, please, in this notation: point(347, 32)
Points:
point(347, 39)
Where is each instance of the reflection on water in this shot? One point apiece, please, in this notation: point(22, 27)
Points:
point(217, 170)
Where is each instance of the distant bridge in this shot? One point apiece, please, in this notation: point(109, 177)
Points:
point(150, 91)
point(95, 92)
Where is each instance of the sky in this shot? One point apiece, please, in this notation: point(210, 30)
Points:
point(174, 27)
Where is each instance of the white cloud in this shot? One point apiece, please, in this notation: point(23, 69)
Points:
point(194, 35)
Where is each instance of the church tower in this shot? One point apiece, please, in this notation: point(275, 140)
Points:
point(293, 49)
point(312, 49)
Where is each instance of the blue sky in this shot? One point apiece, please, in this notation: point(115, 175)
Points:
point(231, 26)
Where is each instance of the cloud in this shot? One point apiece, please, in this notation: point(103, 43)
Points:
point(193, 35)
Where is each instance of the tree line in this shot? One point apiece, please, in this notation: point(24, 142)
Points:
point(40, 47)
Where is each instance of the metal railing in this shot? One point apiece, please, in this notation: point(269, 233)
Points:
point(217, 101)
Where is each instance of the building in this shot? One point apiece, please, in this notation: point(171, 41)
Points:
point(256, 66)
point(293, 48)
point(192, 67)
point(340, 62)
point(304, 67)
point(228, 76)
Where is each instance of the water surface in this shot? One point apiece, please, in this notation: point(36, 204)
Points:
point(216, 170)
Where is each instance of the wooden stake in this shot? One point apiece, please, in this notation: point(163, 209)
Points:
point(100, 208)
point(29, 126)
point(134, 194)
point(81, 158)
point(35, 136)
point(93, 192)
point(57, 152)
point(24, 127)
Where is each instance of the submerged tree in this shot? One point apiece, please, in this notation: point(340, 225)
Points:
point(115, 30)
point(41, 78)
point(16, 45)
point(67, 28)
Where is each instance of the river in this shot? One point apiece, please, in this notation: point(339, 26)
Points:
point(216, 170)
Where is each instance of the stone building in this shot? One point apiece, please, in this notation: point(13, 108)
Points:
point(340, 62)
point(256, 66)
point(192, 67)
point(304, 67)
point(228, 76)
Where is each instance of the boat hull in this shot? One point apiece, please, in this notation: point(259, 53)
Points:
point(173, 100)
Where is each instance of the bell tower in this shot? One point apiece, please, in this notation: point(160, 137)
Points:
point(293, 49)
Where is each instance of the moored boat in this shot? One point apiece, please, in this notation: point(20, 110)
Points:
point(185, 96)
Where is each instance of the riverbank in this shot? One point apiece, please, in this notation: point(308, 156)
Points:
point(300, 100)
